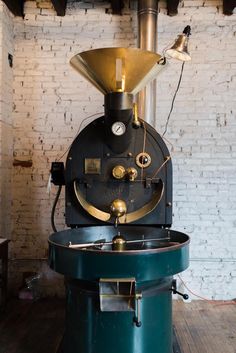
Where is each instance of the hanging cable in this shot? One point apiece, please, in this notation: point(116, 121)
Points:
point(60, 186)
point(54, 208)
point(228, 302)
point(173, 100)
point(144, 146)
point(160, 168)
point(79, 129)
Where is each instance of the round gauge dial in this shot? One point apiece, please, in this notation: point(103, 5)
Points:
point(118, 128)
point(143, 160)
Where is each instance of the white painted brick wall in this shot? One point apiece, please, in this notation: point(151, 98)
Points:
point(6, 143)
point(50, 100)
point(202, 130)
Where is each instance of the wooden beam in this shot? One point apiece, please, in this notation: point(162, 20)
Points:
point(228, 7)
point(117, 6)
point(172, 7)
point(15, 6)
point(60, 7)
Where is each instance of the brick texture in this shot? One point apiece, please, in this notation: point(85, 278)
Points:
point(51, 100)
point(6, 120)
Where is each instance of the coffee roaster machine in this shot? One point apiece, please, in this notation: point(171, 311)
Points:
point(119, 254)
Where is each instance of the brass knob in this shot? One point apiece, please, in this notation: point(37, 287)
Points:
point(118, 243)
point(118, 208)
point(132, 173)
point(118, 172)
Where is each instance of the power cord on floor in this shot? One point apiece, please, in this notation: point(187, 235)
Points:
point(230, 302)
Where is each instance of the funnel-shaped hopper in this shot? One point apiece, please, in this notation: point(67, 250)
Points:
point(118, 69)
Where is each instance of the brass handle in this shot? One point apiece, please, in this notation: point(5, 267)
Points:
point(136, 121)
point(137, 317)
point(132, 173)
point(128, 217)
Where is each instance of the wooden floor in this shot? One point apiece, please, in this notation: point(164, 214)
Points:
point(201, 327)
point(28, 327)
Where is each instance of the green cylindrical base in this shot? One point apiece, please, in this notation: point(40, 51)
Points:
point(89, 330)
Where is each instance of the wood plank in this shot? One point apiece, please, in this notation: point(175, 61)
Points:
point(172, 7)
point(37, 327)
point(15, 6)
point(117, 6)
point(60, 7)
point(203, 327)
point(25, 323)
point(176, 346)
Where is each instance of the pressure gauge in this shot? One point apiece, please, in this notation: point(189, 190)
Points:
point(118, 128)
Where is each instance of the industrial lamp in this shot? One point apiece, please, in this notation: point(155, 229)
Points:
point(179, 50)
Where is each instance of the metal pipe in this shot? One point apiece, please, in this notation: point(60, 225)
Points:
point(147, 40)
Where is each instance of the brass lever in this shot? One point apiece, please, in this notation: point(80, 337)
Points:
point(136, 121)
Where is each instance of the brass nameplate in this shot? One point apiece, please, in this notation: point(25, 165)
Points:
point(92, 165)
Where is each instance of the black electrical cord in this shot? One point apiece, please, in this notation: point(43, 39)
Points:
point(54, 208)
point(80, 126)
point(173, 100)
point(60, 186)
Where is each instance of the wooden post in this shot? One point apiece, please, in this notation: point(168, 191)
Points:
point(60, 7)
point(172, 7)
point(228, 7)
point(15, 6)
point(117, 6)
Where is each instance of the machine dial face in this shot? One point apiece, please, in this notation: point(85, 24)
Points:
point(143, 160)
point(118, 128)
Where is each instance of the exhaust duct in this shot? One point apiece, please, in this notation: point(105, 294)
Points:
point(147, 40)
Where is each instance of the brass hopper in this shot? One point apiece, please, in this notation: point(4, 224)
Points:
point(118, 69)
